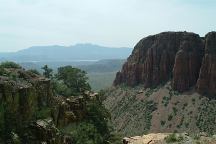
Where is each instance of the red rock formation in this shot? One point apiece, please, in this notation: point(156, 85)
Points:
point(206, 83)
point(175, 56)
point(154, 59)
point(187, 64)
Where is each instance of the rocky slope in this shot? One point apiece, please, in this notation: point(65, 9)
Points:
point(186, 59)
point(136, 111)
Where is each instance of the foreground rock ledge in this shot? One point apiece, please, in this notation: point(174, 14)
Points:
point(177, 138)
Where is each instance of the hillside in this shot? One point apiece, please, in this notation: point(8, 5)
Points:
point(136, 111)
point(79, 52)
point(167, 85)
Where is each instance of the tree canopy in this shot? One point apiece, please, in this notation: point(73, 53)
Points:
point(73, 81)
point(47, 71)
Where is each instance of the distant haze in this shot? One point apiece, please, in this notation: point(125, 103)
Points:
point(76, 53)
point(112, 23)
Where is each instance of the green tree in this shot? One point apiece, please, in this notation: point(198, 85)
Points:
point(74, 79)
point(86, 133)
point(47, 71)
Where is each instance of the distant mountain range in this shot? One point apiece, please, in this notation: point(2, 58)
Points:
point(77, 52)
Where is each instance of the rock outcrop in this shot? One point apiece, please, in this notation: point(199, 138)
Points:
point(22, 94)
point(153, 138)
point(45, 131)
point(68, 110)
point(207, 79)
point(168, 138)
point(182, 57)
point(31, 113)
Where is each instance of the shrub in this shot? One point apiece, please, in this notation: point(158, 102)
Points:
point(175, 110)
point(184, 106)
point(163, 123)
point(165, 100)
point(8, 64)
point(186, 125)
point(193, 100)
point(43, 113)
point(172, 138)
point(74, 79)
point(170, 117)
point(47, 71)
point(85, 132)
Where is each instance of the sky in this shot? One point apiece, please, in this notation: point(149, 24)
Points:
point(114, 23)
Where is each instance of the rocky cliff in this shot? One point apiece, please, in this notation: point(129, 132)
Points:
point(206, 83)
point(30, 113)
point(186, 59)
point(22, 95)
point(33, 112)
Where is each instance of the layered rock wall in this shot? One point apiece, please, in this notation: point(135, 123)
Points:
point(20, 98)
point(206, 83)
point(186, 59)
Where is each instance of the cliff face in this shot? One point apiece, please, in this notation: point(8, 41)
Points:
point(20, 98)
point(206, 83)
point(68, 110)
point(31, 113)
point(184, 58)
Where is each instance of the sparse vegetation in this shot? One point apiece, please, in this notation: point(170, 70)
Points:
point(207, 117)
point(165, 100)
point(149, 92)
point(181, 122)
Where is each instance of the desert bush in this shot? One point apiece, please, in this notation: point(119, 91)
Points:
point(170, 117)
point(163, 123)
point(172, 138)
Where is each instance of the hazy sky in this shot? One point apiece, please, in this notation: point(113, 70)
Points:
point(25, 23)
